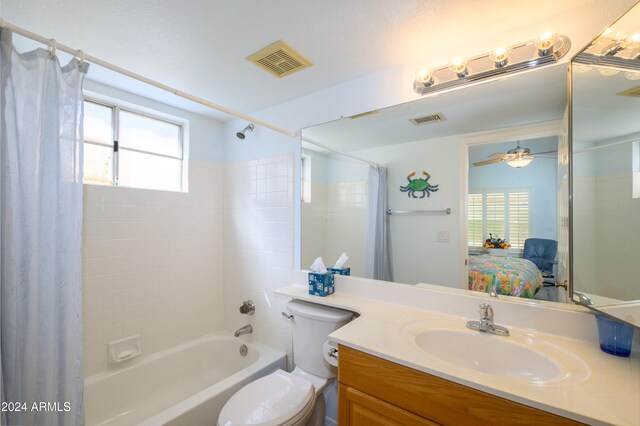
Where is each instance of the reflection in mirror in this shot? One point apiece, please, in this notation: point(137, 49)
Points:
point(606, 174)
point(422, 145)
point(514, 201)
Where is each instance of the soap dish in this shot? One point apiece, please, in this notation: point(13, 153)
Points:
point(124, 349)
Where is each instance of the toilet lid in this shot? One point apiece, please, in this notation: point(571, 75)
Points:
point(269, 401)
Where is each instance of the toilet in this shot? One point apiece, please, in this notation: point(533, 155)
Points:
point(288, 399)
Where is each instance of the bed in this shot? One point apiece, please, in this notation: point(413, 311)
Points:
point(511, 276)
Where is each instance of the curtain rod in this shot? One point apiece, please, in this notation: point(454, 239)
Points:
point(353, 157)
point(89, 58)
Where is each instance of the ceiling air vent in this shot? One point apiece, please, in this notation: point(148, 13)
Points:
point(427, 119)
point(279, 59)
point(634, 91)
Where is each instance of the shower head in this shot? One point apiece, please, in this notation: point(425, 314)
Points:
point(248, 128)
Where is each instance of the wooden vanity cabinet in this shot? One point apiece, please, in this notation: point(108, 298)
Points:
point(374, 391)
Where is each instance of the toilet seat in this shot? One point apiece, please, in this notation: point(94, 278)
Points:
point(279, 399)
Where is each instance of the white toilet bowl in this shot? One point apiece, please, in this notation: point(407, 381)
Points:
point(279, 399)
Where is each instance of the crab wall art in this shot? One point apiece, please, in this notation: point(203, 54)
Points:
point(419, 185)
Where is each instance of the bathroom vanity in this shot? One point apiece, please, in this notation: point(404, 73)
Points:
point(375, 391)
point(409, 359)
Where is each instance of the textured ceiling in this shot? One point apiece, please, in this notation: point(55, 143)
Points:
point(199, 46)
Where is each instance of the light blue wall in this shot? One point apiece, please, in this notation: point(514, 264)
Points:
point(540, 176)
point(205, 133)
point(605, 161)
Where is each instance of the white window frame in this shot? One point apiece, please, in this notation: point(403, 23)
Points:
point(118, 105)
point(506, 192)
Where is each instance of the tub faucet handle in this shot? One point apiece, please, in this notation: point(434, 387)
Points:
point(248, 307)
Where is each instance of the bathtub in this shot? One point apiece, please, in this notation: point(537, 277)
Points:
point(184, 385)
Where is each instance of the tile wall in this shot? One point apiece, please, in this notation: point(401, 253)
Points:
point(347, 223)
point(335, 222)
point(606, 235)
point(258, 246)
point(152, 264)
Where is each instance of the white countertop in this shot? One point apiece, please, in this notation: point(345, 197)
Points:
point(608, 394)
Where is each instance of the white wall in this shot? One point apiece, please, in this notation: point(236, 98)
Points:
point(416, 255)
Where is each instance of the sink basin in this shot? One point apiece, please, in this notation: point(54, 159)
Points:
point(489, 354)
point(519, 356)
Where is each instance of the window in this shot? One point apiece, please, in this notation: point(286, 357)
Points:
point(128, 148)
point(505, 213)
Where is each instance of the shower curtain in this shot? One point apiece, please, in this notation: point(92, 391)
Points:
point(41, 154)
point(378, 250)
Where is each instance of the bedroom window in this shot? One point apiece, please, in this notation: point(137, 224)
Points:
point(123, 147)
point(504, 213)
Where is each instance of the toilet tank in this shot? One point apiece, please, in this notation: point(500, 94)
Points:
point(312, 323)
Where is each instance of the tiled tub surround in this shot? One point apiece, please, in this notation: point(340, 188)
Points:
point(258, 245)
point(152, 263)
point(608, 395)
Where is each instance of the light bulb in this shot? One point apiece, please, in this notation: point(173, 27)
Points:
point(500, 55)
point(459, 66)
point(607, 72)
point(632, 75)
point(424, 78)
point(545, 42)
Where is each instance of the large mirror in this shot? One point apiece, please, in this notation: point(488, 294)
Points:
point(606, 171)
point(426, 213)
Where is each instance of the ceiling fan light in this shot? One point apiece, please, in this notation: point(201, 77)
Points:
point(519, 163)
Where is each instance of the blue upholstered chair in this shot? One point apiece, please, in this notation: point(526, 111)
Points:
point(542, 253)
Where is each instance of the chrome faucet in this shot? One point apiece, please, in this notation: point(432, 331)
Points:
point(583, 299)
point(486, 322)
point(243, 330)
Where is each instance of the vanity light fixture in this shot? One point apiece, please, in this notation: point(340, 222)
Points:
point(549, 48)
point(614, 49)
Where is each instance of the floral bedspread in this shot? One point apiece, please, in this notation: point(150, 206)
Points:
point(512, 276)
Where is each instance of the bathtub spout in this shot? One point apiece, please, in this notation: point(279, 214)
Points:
point(243, 330)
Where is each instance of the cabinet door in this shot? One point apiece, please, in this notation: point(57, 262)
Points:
point(358, 408)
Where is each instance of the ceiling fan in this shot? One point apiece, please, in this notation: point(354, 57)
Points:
point(517, 157)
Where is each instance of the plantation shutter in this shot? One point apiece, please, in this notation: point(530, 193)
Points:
point(503, 213)
point(518, 218)
point(475, 223)
point(495, 214)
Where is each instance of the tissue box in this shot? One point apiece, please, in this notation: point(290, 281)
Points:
point(340, 271)
point(321, 284)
